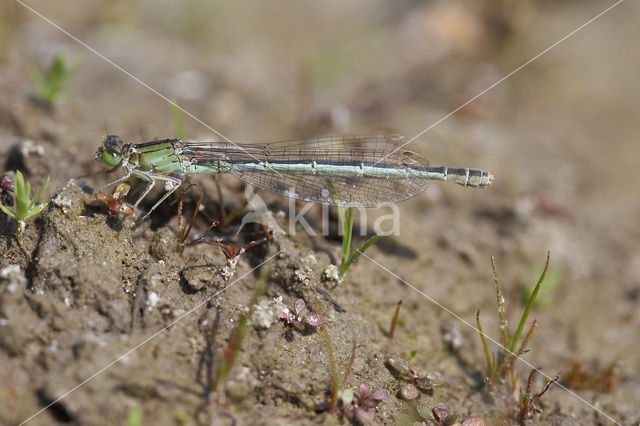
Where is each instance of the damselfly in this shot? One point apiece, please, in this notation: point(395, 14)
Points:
point(355, 170)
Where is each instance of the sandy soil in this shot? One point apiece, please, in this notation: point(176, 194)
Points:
point(86, 319)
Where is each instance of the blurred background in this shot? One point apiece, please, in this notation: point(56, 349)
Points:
point(563, 125)
point(560, 135)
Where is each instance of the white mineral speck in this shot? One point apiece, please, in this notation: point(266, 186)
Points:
point(331, 273)
point(152, 300)
point(29, 148)
point(14, 275)
point(155, 280)
point(9, 270)
point(310, 259)
point(266, 313)
point(63, 202)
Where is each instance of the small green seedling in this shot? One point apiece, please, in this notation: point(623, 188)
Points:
point(346, 222)
point(502, 365)
point(347, 229)
point(336, 379)
point(54, 80)
point(25, 207)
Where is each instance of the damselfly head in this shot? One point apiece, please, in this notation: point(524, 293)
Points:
point(111, 150)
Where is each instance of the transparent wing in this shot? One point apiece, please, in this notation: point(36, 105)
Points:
point(330, 186)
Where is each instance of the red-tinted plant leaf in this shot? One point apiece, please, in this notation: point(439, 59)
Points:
point(363, 416)
point(440, 411)
point(409, 392)
point(298, 306)
point(314, 319)
point(379, 395)
point(363, 390)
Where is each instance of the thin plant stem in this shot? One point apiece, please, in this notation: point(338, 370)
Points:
point(347, 230)
point(231, 216)
point(525, 342)
point(357, 253)
point(333, 370)
point(484, 345)
point(19, 230)
point(532, 298)
point(500, 297)
point(525, 399)
point(346, 223)
point(394, 320)
point(347, 371)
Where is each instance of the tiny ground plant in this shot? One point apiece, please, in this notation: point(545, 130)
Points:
point(25, 207)
point(331, 406)
point(502, 365)
point(299, 319)
point(346, 223)
point(114, 202)
point(362, 401)
point(6, 190)
point(551, 282)
point(51, 84)
point(415, 382)
point(529, 401)
point(347, 403)
point(439, 415)
point(336, 380)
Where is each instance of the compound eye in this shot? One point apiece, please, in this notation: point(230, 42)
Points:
point(111, 150)
point(111, 157)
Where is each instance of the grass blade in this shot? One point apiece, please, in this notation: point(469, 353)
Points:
point(532, 298)
point(21, 195)
point(40, 192)
point(484, 345)
point(357, 253)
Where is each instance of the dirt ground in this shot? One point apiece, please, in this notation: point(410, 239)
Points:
point(109, 324)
